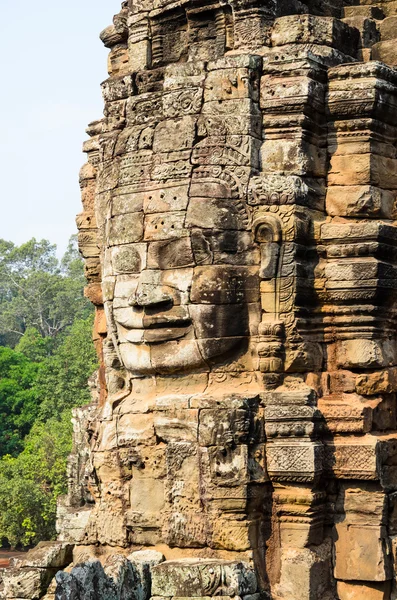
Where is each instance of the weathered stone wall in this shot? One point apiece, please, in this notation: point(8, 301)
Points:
point(240, 244)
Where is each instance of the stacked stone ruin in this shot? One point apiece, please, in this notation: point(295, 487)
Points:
point(240, 244)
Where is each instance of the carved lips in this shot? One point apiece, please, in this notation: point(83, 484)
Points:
point(162, 329)
point(154, 328)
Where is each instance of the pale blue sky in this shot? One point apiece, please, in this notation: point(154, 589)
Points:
point(52, 65)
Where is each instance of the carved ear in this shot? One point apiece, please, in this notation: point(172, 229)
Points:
point(267, 233)
point(267, 228)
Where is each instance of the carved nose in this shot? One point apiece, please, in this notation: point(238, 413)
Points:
point(148, 295)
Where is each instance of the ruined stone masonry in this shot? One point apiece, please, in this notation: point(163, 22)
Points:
point(240, 243)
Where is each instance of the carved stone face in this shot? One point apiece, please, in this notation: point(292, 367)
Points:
point(186, 278)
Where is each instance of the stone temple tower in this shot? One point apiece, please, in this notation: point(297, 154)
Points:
point(240, 243)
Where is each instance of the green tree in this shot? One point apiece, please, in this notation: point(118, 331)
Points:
point(31, 483)
point(19, 401)
point(35, 385)
point(37, 290)
point(34, 346)
point(46, 357)
point(62, 378)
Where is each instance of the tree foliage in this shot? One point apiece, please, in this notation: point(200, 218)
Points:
point(19, 401)
point(37, 290)
point(31, 483)
point(46, 357)
point(62, 379)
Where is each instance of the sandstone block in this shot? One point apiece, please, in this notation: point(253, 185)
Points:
point(228, 466)
point(190, 577)
point(126, 203)
point(147, 496)
point(361, 503)
point(146, 557)
point(233, 535)
point(369, 11)
point(293, 158)
point(183, 354)
point(46, 555)
point(348, 413)
point(139, 54)
point(27, 583)
point(165, 226)
point(177, 75)
point(129, 258)
point(175, 134)
point(224, 427)
point(117, 88)
point(93, 292)
point(358, 591)
point(110, 522)
point(88, 244)
point(186, 529)
point(87, 172)
point(213, 214)
point(114, 121)
point(380, 97)
point(229, 84)
point(210, 286)
point(117, 579)
point(230, 318)
point(387, 29)
point(144, 561)
point(365, 353)
point(113, 36)
point(172, 197)
point(305, 573)
point(379, 382)
point(72, 523)
point(302, 395)
point(169, 254)
point(357, 201)
point(358, 270)
point(239, 107)
point(179, 425)
point(135, 428)
point(125, 229)
point(384, 51)
point(310, 29)
point(357, 230)
point(144, 530)
point(239, 61)
point(367, 29)
point(294, 460)
point(368, 457)
point(288, 421)
point(361, 553)
point(363, 169)
point(302, 91)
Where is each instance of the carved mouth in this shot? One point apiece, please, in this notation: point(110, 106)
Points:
point(160, 332)
point(161, 322)
point(161, 328)
point(158, 328)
